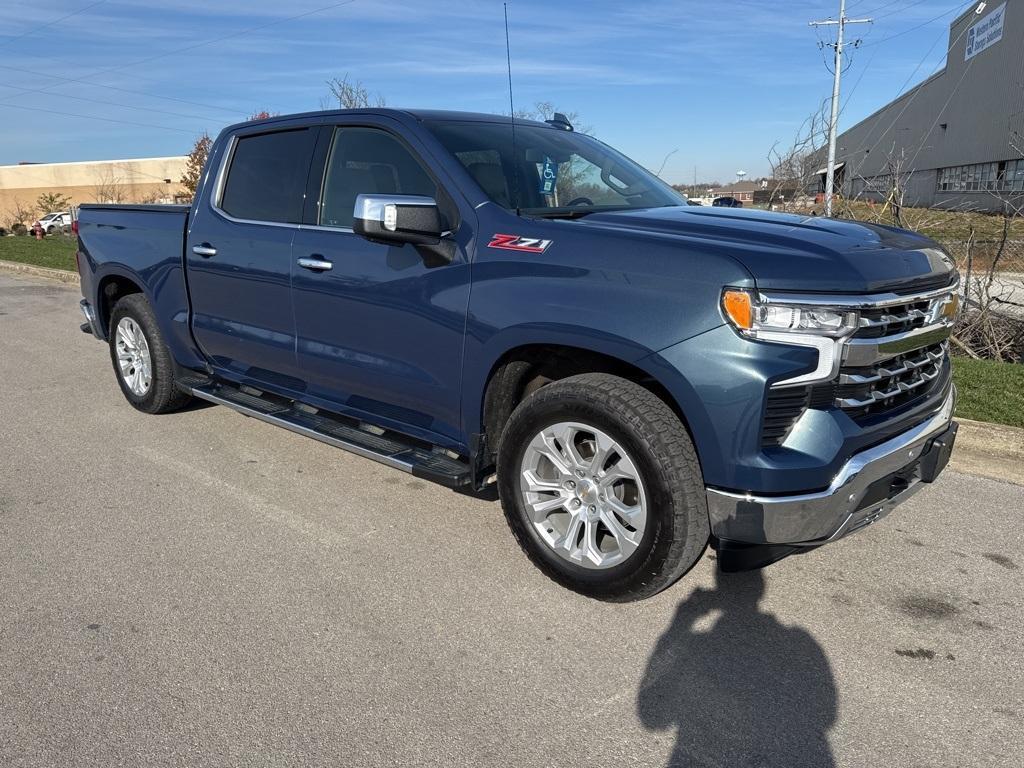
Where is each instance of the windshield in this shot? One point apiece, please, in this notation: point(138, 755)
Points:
point(552, 172)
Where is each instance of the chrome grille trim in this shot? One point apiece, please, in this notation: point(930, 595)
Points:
point(884, 386)
point(860, 353)
point(920, 319)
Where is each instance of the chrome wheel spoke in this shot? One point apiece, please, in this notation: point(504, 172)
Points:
point(591, 549)
point(622, 469)
point(604, 447)
point(550, 451)
point(566, 545)
point(133, 357)
point(635, 515)
point(535, 484)
point(627, 540)
point(544, 507)
point(590, 516)
point(567, 437)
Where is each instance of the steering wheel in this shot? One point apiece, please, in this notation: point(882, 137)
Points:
point(580, 201)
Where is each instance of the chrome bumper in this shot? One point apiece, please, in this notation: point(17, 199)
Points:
point(848, 504)
point(91, 324)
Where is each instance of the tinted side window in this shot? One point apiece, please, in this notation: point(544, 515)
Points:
point(267, 177)
point(368, 161)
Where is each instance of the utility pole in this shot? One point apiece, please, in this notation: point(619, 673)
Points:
point(830, 171)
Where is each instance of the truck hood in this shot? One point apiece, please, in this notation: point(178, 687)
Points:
point(796, 253)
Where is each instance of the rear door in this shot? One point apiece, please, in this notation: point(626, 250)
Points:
point(381, 331)
point(238, 252)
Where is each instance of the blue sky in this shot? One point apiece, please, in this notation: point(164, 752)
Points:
point(716, 81)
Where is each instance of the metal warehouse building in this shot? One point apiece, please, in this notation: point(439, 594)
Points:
point(957, 139)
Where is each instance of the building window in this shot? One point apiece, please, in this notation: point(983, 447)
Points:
point(982, 177)
point(1014, 176)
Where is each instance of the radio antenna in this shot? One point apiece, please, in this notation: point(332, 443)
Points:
point(512, 114)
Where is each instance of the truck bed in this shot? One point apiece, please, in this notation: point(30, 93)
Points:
point(143, 244)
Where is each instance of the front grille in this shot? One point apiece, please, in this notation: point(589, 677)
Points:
point(891, 384)
point(876, 322)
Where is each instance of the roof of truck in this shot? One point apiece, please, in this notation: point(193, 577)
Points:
point(418, 114)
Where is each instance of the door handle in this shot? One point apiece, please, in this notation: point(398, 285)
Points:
point(315, 264)
point(205, 250)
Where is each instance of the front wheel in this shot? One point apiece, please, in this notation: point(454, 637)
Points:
point(601, 486)
point(142, 362)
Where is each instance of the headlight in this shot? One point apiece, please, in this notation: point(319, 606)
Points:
point(754, 319)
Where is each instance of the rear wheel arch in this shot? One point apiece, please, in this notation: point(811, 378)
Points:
point(111, 289)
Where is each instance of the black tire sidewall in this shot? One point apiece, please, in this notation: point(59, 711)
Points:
point(161, 395)
point(645, 562)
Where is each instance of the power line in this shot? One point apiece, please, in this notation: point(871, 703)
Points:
point(194, 46)
point(104, 119)
point(80, 81)
point(914, 28)
point(36, 30)
point(874, 53)
point(116, 104)
point(901, 92)
point(939, 114)
point(893, 13)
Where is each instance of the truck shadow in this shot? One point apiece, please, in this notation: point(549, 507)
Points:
point(741, 689)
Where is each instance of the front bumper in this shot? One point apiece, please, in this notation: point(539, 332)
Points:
point(866, 488)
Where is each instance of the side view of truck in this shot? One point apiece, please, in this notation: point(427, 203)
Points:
point(479, 301)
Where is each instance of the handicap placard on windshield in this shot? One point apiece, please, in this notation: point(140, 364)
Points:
point(548, 176)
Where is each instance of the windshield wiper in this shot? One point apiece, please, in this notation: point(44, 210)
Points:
point(572, 213)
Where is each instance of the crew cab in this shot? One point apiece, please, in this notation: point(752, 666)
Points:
point(480, 301)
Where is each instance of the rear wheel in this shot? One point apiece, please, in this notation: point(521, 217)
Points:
point(601, 486)
point(142, 362)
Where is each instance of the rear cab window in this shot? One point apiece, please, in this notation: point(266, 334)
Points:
point(266, 177)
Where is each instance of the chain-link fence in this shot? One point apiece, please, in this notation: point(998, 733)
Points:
point(991, 324)
point(980, 255)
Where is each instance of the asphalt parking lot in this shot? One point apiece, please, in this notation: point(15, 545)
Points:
point(204, 589)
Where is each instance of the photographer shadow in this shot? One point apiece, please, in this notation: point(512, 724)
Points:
point(744, 691)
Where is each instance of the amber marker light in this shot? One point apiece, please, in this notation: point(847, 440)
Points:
point(738, 308)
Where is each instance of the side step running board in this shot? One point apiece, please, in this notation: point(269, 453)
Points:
point(384, 446)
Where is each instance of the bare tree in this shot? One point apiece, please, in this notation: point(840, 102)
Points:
point(991, 323)
point(110, 187)
point(19, 214)
point(545, 110)
point(794, 164)
point(350, 94)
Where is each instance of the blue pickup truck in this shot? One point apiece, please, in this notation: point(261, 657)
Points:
point(479, 301)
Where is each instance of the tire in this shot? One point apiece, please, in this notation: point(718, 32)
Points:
point(675, 530)
point(160, 395)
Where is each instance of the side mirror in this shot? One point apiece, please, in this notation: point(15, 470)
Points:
point(398, 219)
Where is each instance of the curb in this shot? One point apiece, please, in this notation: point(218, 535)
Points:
point(61, 275)
point(995, 451)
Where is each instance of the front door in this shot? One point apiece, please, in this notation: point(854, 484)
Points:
point(239, 257)
point(380, 332)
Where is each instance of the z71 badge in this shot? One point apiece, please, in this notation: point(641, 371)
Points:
point(517, 243)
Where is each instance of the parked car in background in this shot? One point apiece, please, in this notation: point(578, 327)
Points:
point(540, 312)
point(691, 201)
point(726, 202)
point(55, 222)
